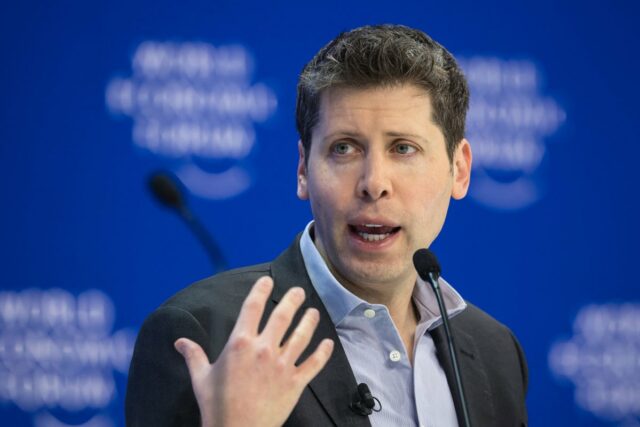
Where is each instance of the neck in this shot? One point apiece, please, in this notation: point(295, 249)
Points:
point(397, 297)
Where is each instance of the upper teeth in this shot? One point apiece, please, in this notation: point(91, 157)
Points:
point(373, 225)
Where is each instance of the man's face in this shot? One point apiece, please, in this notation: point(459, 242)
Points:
point(379, 181)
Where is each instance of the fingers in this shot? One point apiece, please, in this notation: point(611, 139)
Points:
point(281, 317)
point(253, 307)
point(301, 336)
point(246, 329)
point(194, 356)
point(314, 363)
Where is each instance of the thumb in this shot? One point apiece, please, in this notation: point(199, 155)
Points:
point(194, 356)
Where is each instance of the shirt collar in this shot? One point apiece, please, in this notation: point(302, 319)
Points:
point(340, 302)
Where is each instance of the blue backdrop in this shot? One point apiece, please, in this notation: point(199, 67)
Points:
point(95, 96)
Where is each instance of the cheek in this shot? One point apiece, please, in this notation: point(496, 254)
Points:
point(429, 205)
point(435, 214)
point(331, 187)
point(325, 202)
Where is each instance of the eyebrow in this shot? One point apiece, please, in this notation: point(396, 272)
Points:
point(394, 134)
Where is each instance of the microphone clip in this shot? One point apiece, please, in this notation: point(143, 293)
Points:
point(364, 403)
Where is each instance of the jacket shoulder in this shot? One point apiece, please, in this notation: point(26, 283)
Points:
point(227, 288)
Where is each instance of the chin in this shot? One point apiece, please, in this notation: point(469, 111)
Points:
point(371, 273)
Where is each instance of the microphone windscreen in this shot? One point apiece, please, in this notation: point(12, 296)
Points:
point(166, 190)
point(426, 262)
point(366, 398)
point(363, 389)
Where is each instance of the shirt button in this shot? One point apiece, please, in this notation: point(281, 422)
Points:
point(369, 313)
point(395, 356)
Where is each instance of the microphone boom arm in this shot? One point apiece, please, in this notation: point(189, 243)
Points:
point(433, 281)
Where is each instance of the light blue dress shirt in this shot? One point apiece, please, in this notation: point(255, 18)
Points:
point(415, 395)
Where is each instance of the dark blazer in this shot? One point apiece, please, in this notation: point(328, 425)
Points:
point(159, 393)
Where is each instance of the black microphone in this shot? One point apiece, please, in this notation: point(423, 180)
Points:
point(167, 189)
point(428, 268)
point(363, 402)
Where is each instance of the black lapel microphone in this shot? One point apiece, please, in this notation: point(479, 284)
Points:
point(428, 268)
point(167, 189)
point(363, 401)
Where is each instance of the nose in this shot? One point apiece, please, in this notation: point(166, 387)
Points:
point(374, 182)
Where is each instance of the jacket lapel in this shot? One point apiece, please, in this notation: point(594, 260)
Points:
point(474, 377)
point(335, 385)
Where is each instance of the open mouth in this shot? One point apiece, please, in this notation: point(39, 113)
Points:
point(373, 232)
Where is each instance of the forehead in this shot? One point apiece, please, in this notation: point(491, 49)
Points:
point(392, 108)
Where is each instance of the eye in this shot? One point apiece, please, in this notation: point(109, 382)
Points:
point(404, 149)
point(342, 148)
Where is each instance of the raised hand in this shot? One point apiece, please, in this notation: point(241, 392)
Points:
point(255, 380)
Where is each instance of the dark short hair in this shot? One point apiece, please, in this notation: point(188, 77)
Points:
point(385, 55)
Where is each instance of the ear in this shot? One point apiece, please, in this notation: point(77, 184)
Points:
point(461, 170)
point(303, 193)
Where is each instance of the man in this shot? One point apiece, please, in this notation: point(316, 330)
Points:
point(381, 113)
